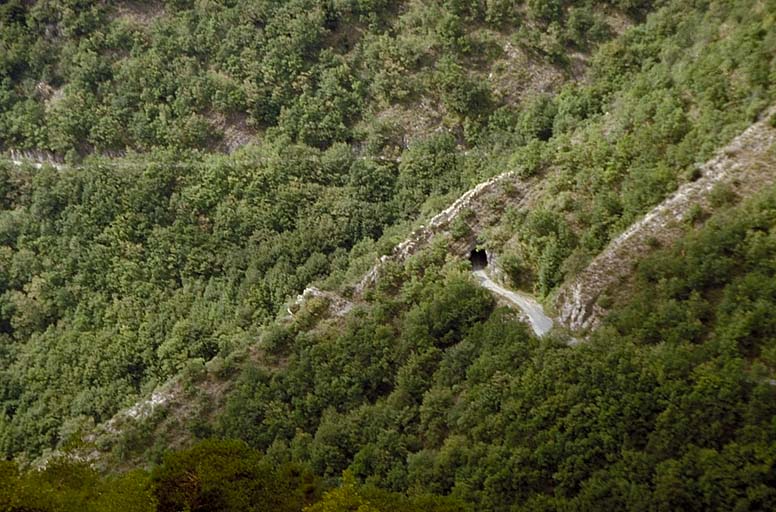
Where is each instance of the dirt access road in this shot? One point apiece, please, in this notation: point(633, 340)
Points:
point(540, 323)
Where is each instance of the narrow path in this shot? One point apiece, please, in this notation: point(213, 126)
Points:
point(540, 323)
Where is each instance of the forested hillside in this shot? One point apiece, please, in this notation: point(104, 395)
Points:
point(219, 157)
point(93, 76)
point(118, 273)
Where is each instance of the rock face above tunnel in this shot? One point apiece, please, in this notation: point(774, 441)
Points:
point(476, 209)
point(747, 165)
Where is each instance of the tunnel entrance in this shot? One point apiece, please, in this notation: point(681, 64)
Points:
point(479, 259)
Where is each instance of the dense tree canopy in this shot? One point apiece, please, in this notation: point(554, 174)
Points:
point(222, 156)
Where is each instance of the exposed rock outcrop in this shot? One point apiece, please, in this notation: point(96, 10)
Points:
point(338, 306)
point(746, 165)
point(37, 158)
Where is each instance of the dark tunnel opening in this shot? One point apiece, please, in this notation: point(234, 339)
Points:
point(479, 259)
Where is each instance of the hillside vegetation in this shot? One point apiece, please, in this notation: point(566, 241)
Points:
point(223, 156)
point(119, 273)
point(95, 76)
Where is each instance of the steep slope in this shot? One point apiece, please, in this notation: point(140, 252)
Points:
point(413, 380)
point(353, 117)
point(407, 392)
point(744, 167)
point(110, 77)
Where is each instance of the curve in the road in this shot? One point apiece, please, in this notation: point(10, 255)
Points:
point(540, 323)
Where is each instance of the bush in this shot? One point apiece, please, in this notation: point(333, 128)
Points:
point(429, 167)
point(722, 195)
